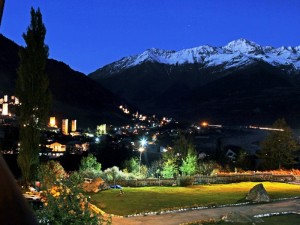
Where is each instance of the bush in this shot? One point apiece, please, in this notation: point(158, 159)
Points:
point(51, 172)
point(185, 181)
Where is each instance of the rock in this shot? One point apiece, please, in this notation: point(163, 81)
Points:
point(93, 186)
point(258, 194)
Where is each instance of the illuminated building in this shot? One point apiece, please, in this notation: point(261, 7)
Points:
point(5, 106)
point(65, 126)
point(17, 102)
point(52, 122)
point(4, 109)
point(101, 129)
point(74, 125)
point(57, 147)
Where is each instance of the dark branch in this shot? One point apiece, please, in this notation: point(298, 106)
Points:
point(2, 2)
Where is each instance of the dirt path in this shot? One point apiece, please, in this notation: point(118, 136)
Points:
point(215, 213)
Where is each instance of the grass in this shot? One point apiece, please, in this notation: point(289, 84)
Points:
point(147, 199)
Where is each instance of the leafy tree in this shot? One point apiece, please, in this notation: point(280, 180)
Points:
point(132, 165)
point(143, 171)
point(173, 159)
point(51, 172)
point(245, 161)
point(155, 169)
point(89, 167)
point(207, 167)
point(33, 92)
point(169, 168)
point(112, 174)
point(279, 147)
point(189, 164)
point(89, 163)
point(183, 146)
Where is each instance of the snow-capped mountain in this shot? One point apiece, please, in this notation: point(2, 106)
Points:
point(235, 54)
point(239, 82)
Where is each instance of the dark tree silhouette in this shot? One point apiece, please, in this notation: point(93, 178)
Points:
point(279, 148)
point(33, 92)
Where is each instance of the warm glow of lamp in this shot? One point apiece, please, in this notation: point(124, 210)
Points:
point(141, 149)
point(204, 124)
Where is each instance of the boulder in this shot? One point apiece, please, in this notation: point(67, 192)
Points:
point(258, 194)
point(93, 186)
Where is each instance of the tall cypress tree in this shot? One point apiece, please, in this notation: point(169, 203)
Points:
point(33, 92)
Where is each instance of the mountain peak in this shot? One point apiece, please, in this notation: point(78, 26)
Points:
point(237, 53)
point(242, 45)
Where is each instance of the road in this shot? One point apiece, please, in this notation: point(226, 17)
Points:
point(213, 213)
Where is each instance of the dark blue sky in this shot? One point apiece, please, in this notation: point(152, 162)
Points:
point(87, 34)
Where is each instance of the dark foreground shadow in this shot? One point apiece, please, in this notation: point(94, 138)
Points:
point(14, 210)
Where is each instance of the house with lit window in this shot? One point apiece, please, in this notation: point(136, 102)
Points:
point(56, 149)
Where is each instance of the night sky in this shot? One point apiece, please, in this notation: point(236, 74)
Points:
point(87, 34)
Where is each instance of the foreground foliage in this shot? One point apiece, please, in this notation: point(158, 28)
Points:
point(64, 201)
point(65, 206)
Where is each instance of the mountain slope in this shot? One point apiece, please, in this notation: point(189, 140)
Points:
point(238, 83)
point(75, 96)
point(8, 61)
point(237, 53)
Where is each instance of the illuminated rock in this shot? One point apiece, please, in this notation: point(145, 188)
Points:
point(258, 194)
point(94, 185)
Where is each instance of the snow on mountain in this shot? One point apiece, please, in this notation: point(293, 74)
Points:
point(235, 54)
point(242, 45)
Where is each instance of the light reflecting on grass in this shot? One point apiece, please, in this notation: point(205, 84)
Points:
point(149, 199)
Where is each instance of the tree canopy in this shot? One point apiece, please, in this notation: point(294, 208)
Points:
point(279, 148)
point(189, 164)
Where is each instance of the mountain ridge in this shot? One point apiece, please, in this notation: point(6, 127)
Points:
point(236, 53)
point(75, 96)
point(237, 83)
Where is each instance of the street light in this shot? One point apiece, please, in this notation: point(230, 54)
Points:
point(143, 143)
point(141, 149)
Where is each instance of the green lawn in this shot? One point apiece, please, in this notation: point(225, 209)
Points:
point(136, 200)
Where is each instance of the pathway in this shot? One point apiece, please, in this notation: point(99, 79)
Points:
point(213, 213)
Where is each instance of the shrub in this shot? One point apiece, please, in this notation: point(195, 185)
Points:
point(185, 181)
